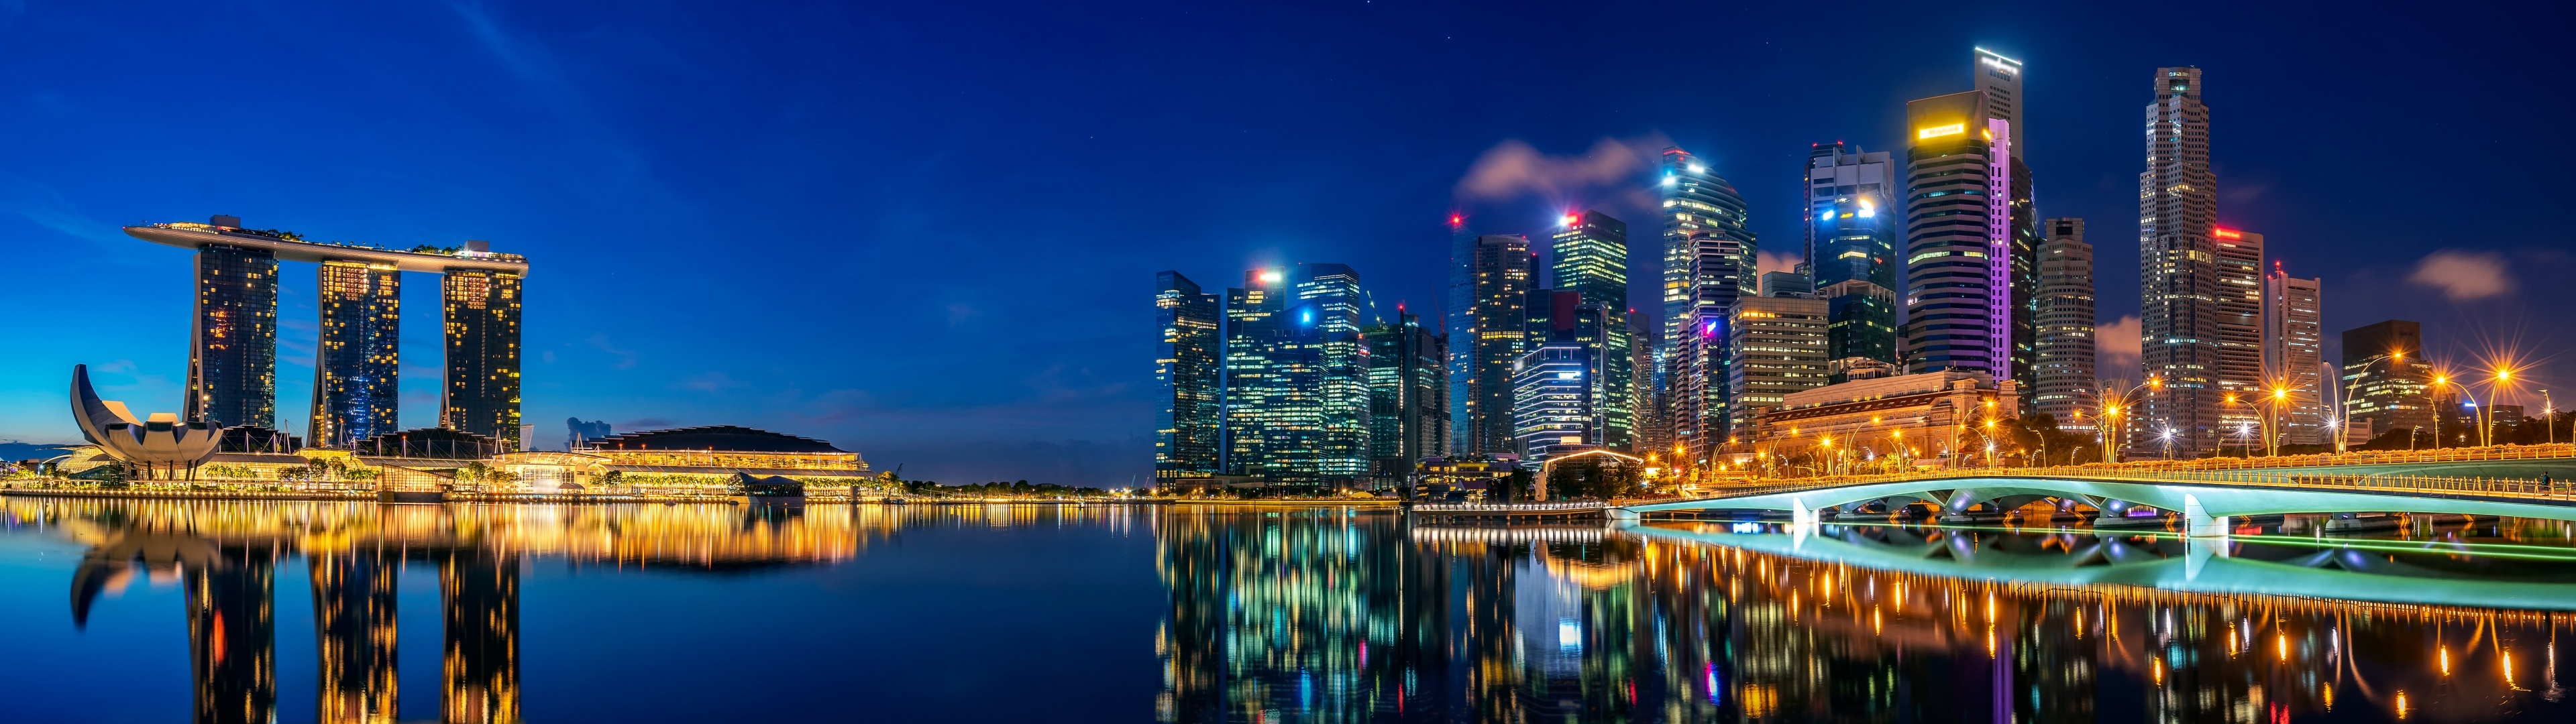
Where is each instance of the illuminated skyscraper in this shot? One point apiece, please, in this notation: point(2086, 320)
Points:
point(2383, 366)
point(2293, 312)
point(1853, 215)
point(232, 360)
point(2240, 330)
point(1591, 261)
point(482, 316)
point(2000, 78)
point(357, 390)
point(2066, 325)
point(1408, 397)
point(1297, 397)
point(1708, 264)
point(1497, 269)
point(1779, 347)
point(1558, 385)
point(1188, 429)
point(2178, 278)
point(1972, 259)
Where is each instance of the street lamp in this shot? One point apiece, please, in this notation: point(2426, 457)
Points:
point(2116, 404)
point(2393, 357)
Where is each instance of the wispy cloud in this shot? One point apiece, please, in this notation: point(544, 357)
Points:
point(625, 358)
point(1513, 170)
point(1779, 261)
point(2464, 276)
point(711, 382)
point(2115, 348)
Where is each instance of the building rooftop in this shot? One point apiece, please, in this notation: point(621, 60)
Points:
point(191, 235)
point(726, 438)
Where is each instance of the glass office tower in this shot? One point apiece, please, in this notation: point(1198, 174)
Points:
point(1190, 423)
point(1708, 264)
point(482, 314)
point(1853, 212)
point(2178, 259)
point(357, 390)
point(232, 362)
point(1408, 397)
point(2066, 325)
point(1499, 267)
point(1591, 261)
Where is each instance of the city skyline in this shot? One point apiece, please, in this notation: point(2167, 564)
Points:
point(1066, 399)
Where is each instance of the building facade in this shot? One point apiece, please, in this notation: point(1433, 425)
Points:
point(232, 358)
point(1709, 263)
point(2065, 374)
point(1296, 376)
point(482, 353)
point(1921, 416)
point(1485, 349)
point(1408, 398)
point(2241, 382)
point(1779, 343)
point(2293, 343)
point(1971, 258)
point(1188, 431)
point(357, 391)
point(2178, 272)
point(1550, 415)
point(1590, 260)
point(1853, 212)
point(2387, 381)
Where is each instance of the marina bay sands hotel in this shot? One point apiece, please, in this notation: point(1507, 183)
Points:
point(232, 355)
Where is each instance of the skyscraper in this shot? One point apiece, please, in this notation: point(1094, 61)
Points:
point(1779, 348)
point(2000, 78)
point(1498, 269)
point(482, 315)
point(1408, 397)
point(1297, 397)
point(1853, 210)
point(2240, 330)
point(2178, 277)
point(2383, 367)
point(1188, 429)
point(357, 390)
point(2066, 324)
point(1709, 263)
point(1591, 261)
point(232, 360)
point(1558, 385)
point(2293, 310)
point(1972, 261)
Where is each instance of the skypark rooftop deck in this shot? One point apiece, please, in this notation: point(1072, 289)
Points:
point(189, 235)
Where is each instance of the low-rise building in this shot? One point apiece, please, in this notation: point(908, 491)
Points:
point(1922, 416)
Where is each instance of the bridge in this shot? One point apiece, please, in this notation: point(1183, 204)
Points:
point(2204, 499)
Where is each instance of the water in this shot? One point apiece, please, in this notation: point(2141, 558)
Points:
point(155, 611)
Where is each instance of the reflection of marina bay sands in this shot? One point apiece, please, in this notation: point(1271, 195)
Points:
point(227, 556)
point(232, 355)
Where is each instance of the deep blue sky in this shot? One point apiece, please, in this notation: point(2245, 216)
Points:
point(927, 232)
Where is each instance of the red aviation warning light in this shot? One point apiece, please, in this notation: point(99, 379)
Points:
point(1572, 219)
point(1457, 220)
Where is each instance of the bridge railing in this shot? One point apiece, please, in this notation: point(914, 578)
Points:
point(2548, 490)
point(2178, 470)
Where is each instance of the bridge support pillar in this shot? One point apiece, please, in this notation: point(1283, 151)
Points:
point(2197, 522)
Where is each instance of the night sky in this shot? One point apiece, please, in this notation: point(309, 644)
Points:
point(928, 231)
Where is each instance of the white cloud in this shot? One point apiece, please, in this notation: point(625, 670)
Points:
point(1512, 170)
point(2463, 276)
point(2115, 349)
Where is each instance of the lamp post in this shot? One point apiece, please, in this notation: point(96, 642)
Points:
point(2116, 405)
point(2549, 415)
point(2498, 384)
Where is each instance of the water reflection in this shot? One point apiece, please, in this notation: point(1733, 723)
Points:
point(1338, 617)
point(1292, 615)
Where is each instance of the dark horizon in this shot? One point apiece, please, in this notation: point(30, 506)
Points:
point(928, 234)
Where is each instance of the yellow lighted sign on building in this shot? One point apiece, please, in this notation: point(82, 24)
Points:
point(1939, 131)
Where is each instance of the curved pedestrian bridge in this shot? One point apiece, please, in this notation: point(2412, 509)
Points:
point(2203, 499)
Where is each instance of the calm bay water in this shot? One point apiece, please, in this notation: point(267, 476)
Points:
point(156, 611)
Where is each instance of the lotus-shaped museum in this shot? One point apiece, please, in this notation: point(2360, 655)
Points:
point(158, 444)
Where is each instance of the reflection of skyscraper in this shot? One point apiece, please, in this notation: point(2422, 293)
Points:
point(2178, 256)
point(354, 628)
point(357, 391)
point(232, 362)
point(479, 588)
point(482, 353)
point(1190, 424)
point(1295, 613)
point(232, 640)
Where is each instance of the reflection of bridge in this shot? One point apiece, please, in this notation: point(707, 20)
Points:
point(2203, 499)
point(2170, 563)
